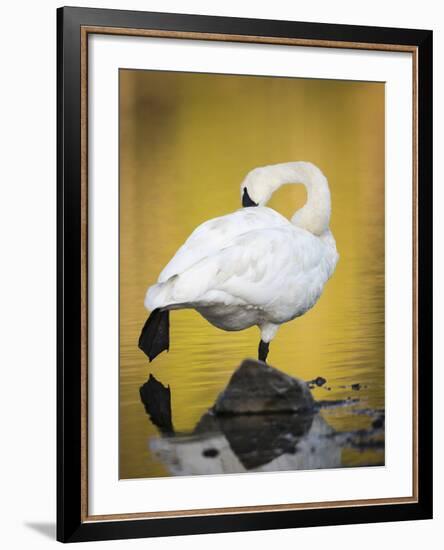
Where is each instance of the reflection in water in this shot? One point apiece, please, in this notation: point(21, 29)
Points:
point(258, 439)
point(257, 443)
point(157, 400)
point(221, 444)
point(186, 142)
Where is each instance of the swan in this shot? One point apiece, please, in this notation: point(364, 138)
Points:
point(250, 267)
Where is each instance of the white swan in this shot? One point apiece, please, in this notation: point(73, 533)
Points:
point(250, 267)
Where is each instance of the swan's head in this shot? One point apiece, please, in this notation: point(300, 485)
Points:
point(262, 182)
point(257, 188)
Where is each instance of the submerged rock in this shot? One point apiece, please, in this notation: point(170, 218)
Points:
point(256, 388)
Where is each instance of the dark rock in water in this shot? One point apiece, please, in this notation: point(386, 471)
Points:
point(318, 381)
point(256, 388)
point(378, 422)
point(157, 400)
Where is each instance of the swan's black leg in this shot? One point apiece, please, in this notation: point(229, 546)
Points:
point(155, 335)
point(263, 351)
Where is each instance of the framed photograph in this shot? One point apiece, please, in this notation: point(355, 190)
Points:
point(244, 274)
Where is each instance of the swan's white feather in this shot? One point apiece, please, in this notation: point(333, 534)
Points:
point(249, 267)
point(213, 235)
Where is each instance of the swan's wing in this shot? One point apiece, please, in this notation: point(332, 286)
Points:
point(216, 234)
point(259, 268)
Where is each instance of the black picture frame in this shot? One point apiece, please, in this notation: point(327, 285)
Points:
point(72, 526)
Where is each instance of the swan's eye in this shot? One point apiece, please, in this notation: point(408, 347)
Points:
point(246, 200)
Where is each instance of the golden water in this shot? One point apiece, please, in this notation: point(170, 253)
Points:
point(186, 142)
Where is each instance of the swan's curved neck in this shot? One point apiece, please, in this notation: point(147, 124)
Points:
point(314, 216)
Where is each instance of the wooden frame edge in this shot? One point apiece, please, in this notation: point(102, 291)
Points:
point(252, 39)
point(199, 512)
point(84, 270)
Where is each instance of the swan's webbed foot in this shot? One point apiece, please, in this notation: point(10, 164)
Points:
point(155, 335)
point(263, 351)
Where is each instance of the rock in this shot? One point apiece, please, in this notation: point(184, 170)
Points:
point(378, 423)
point(257, 388)
point(317, 382)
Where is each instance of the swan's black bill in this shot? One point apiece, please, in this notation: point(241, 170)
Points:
point(263, 350)
point(246, 200)
point(155, 335)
